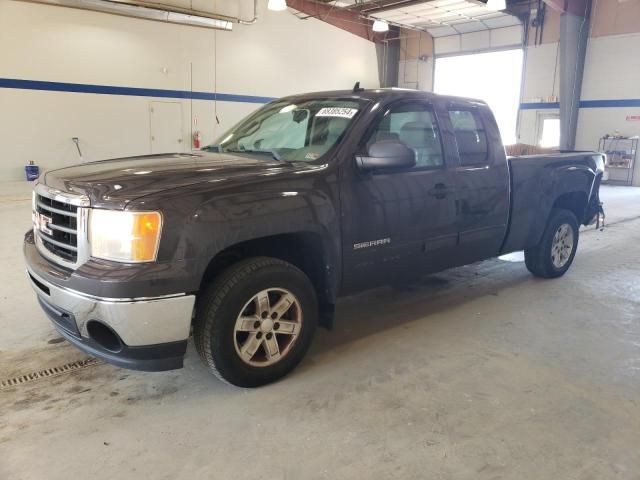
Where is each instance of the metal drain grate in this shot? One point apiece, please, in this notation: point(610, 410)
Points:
point(50, 372)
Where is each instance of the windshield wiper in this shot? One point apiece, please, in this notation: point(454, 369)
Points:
point(212, 148)
point(275, 154)
point(272, 151)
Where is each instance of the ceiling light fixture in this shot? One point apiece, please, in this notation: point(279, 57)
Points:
point(148, 11)
point(496, 4)
point(277, 5)
point(381, 26)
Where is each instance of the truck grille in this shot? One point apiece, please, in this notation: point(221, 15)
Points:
point(60, 225)
point(63, 239)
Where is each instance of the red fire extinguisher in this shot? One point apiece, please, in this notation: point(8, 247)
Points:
point(196, 139)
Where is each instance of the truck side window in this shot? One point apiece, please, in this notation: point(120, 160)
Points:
point(415, 126)
point(470, 137)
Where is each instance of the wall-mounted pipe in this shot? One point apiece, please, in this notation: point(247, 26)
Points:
point(255, 15)
point(154, 11)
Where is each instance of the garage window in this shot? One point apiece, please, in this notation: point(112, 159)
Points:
point(494, 77)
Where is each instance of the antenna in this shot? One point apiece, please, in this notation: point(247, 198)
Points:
point(357, 88)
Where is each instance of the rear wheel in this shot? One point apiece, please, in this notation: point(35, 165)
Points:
point(255, 322)
point(553, 256)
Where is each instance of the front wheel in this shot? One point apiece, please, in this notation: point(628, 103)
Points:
point(553, 256)
point(255, 322)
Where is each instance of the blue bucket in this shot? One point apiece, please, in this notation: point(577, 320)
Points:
point(32, 171)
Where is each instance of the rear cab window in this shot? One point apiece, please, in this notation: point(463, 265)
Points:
point(471, 137)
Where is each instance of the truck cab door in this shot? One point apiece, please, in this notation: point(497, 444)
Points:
point(400, 223)
point(481, 180)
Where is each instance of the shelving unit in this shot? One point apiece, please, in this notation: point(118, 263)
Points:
point(621, 159)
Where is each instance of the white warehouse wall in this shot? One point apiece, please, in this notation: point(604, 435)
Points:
point(415, 66)
point(279, 55)
point(612, 73)
point(540, 83)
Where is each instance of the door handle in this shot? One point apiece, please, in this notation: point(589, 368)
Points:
point(440, 191)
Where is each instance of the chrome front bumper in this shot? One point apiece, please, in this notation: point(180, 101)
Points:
point(151, 333)
point(137, 321)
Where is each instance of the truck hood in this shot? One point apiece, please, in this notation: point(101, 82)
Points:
point(115, 183)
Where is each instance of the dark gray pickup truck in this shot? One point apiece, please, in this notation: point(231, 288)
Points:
point(249, 242)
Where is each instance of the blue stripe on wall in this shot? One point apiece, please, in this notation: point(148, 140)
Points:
point(231, 97)
point(130, 91)
point(625, 102)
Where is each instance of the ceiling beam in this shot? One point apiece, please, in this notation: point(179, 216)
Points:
point(575, 7)
point(345, 19)
point(383, 6)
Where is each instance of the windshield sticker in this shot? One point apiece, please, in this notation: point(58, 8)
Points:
point(337, 112)
point(312, 156)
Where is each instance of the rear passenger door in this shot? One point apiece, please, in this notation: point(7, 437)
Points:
point(482, 182)
point(399, 223)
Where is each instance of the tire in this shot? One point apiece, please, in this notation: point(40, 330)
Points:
point(225, 341)
point(551, 258)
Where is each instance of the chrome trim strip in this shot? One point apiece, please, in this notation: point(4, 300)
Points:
point(57, 210)
point(60, 228)
point(46, 253)
point(71, 198)
point(65, 246)
point(76, 293)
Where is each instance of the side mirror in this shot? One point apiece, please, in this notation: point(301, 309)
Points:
point(387, 155)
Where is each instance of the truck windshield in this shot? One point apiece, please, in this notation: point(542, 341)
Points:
point(303, 131)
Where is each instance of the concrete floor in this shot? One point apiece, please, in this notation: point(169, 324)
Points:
point(481, 372)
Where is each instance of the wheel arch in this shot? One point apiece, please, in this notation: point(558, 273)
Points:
point(308, 251)
point(576, 202)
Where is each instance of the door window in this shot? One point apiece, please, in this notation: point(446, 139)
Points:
point(470, 136)
point(414, 125)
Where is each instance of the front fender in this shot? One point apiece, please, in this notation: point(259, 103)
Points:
point(221, 221)
point(226, 221)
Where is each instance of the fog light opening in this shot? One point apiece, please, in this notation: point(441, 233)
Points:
point(104, 336)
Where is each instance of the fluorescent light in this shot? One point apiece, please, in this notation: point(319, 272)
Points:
point(147, 11)
point(277, 5)
point(496, 4)
point(381, 25)
point(195, 20)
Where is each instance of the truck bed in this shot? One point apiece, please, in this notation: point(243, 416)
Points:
point(535, 181)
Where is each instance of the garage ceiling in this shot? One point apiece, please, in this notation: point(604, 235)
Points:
point(439, 17)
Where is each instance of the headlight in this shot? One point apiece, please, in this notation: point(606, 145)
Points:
point(125, 236)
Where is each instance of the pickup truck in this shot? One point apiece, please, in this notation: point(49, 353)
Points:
point(247, 244)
